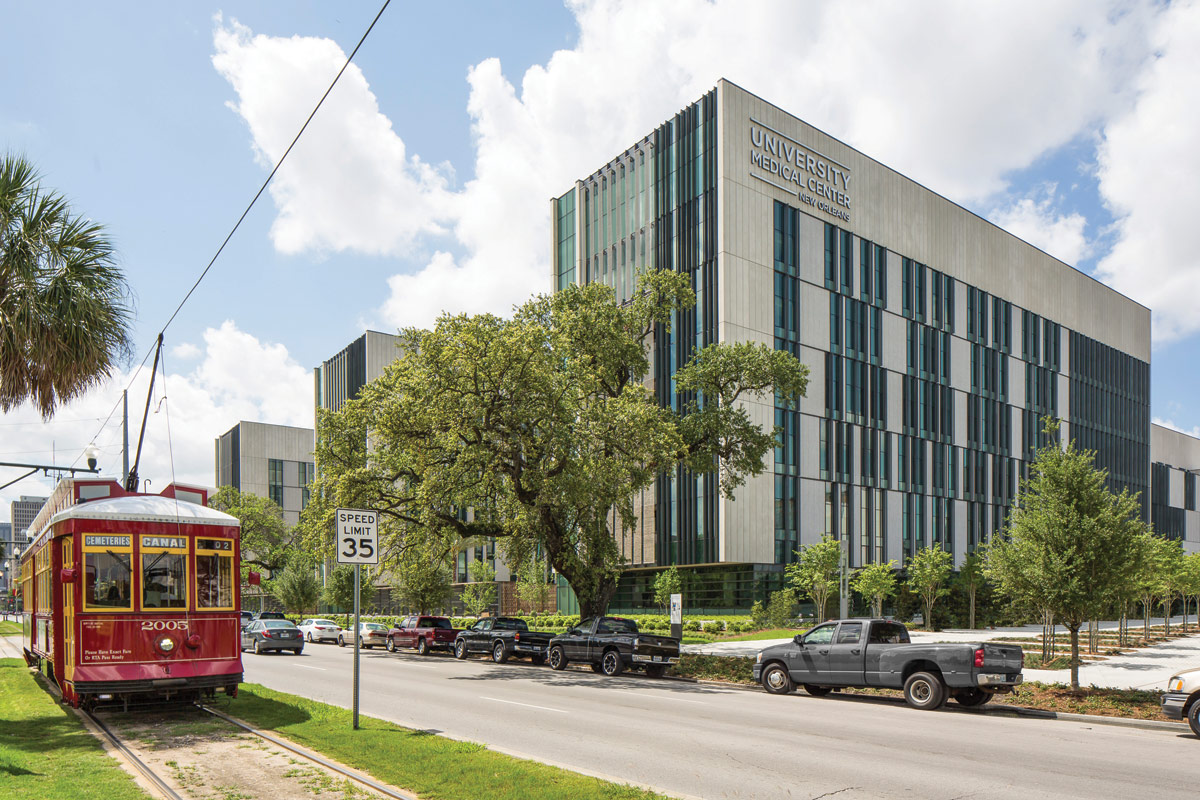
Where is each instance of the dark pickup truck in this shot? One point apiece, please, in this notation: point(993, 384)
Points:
point(612, 645)
point(503, 638)
point(878, 653)
point(422, 633)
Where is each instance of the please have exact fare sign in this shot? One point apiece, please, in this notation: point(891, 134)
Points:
point(357, 536)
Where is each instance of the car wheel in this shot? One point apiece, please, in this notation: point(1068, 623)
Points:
point(341, 642)
point(611, 663)
point(925, 691)
point(460, 650)
point(391, 645)
point(971, 698)
point(257, 647)
point(656, 670)
point(558, 659)
point(1193, 717)
point(308, 636)
point(776, 680)
point(499, 653)
point(817, 691)
point(422, 647)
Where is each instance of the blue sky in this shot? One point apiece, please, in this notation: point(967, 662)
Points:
point(423, 184)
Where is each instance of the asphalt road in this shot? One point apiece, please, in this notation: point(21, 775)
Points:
point(700, 741)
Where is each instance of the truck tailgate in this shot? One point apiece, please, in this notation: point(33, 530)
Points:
point(649, 645)
point(1002, 657)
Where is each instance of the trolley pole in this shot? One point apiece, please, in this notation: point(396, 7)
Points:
point(357, 571)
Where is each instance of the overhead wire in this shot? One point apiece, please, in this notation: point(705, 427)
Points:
point(258, 194)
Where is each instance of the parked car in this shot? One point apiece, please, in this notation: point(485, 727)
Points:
point(269, 615)
point(265, 635)
point(247, 618)
point(878, 653)
point(1182, 698)
point(320, 630)
point(372, 633)
point(612, 645)
point(423, 634)
point(503, 637)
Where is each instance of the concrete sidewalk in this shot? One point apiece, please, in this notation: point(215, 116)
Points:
point(1148, 668)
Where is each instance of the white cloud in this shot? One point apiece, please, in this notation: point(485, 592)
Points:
point(1148, 167)
point(348, 184)
point(185, 351)
point(238, 378)
point(1036, 219)
point(956, 95)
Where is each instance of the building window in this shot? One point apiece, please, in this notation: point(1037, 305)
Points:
point(275, 480)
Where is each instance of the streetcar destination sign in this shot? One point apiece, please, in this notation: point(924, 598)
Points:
point(106, 541)
point(357, 536)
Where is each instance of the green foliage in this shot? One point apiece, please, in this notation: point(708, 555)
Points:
point(297, 589)
point(666, 584)
point(266, 541)
point(339, 588)
point(1072, 546)
point(816, 574)
point(533, 588)
point(479, 595)
point(543, 425)
point(65, 307)
point(781, 609)
point(875, 583)
point(927, 572)
point(758, 615)
point(422, 576)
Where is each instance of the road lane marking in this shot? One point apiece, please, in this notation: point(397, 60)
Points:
point(527, 705)
point(658, 695)
point(306, 666)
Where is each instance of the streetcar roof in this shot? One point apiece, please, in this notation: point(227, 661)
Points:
point(146, 508)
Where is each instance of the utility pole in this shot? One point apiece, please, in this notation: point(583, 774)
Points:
point(124, 437)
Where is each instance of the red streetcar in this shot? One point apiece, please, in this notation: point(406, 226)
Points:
point(132, 597)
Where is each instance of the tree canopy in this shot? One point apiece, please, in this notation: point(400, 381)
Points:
point(875, 582)
point(927, 572)
point(1071, 546)
point(267, 541)
point(545, 427)
point(65, 308)
point(817, 573)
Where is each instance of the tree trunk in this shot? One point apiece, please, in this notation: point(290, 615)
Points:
point(929, 615)
point(1167, 597)
point(1147, 604)
point(971, 592)
point(1074, 629)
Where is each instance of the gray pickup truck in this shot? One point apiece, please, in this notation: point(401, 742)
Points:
point(877, 653)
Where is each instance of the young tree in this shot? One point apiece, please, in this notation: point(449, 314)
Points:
point(1191, 586)
point(480, 594)
point(297, 588)
point(422, 574)
point(266, 540)
point(666, 584)
point(65, 306)
point(875, 582)
point(927, 572)
point(339, 588)
point(544, 426)
point(970, 577)
point(1071, 544)
point(817, 573)
point(533, 588)
point(1172, 576)
point(1149, 578)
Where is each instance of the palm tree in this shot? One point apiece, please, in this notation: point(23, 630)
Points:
point(65, 308)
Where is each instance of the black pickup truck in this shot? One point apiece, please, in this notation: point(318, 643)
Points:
point(612, 645)
point(503, 637)
point(878, 653)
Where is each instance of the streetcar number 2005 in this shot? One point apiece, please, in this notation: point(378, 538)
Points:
point(165, 625)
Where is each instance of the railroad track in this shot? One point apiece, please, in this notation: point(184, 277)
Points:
point(165, 790)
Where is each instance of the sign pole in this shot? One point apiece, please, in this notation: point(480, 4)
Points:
point(357, 571)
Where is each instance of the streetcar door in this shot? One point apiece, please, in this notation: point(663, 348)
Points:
point(68, 620)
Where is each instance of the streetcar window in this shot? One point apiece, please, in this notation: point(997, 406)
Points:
point(164, 572)
point(107, 580)
point(214, 580)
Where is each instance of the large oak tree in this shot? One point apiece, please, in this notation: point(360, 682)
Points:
point(545, 427)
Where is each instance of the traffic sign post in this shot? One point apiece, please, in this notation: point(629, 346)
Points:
point(357, 533)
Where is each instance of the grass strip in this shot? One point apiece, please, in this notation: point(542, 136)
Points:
point(774, 633)
point(8, 628)
point(432, 766)
point(45, 752)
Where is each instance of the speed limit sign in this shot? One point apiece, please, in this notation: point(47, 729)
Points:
point(357, 536)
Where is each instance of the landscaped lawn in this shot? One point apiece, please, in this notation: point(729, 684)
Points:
point(45, 752)
point(8, 628)
point(434, 767)
point(774, 633)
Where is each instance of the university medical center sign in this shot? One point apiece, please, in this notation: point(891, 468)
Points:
point(816, 180)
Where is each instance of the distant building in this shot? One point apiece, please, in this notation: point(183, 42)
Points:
point(16, 538)
point(274, 461)
point(6, 559)
point(1174, 464)
point(339, 378)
